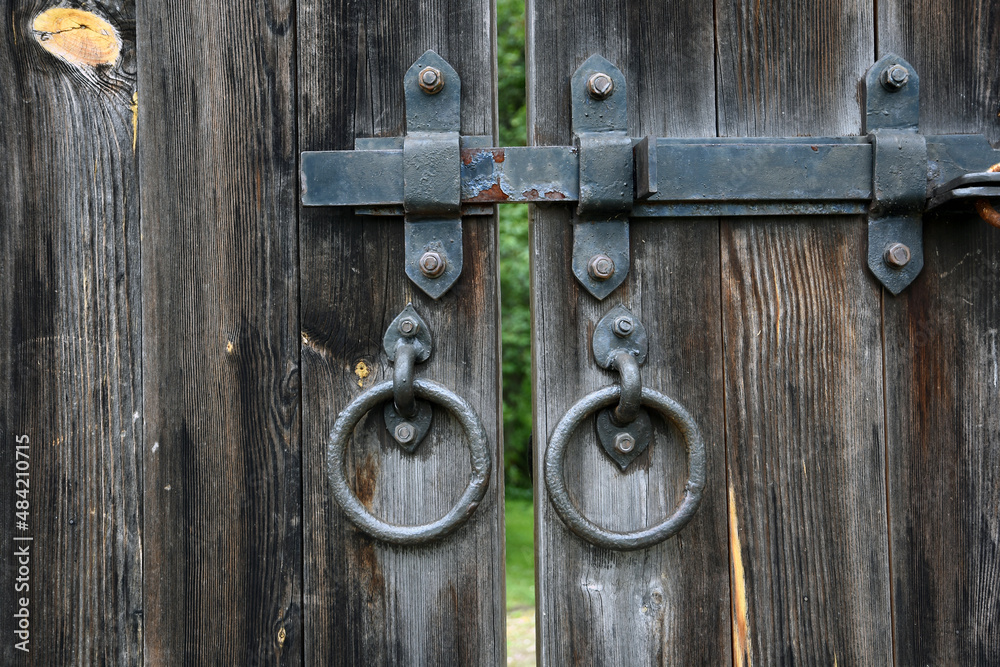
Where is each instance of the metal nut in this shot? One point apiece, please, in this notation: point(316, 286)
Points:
point(601, 267)
point(432, 264)
point(623, 326)
point(624, 442)
point(897, 255)
point(600, 86)
point(894, 77)
point(404, 433)
point(431, 80)
point(408, 326)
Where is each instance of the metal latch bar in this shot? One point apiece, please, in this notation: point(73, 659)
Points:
point(892, 175)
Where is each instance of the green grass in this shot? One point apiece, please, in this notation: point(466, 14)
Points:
point(520, 554)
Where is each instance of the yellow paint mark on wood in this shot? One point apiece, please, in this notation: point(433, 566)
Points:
point(77, 36)
point(741, 633)
point(135, 118)
point(361, 370)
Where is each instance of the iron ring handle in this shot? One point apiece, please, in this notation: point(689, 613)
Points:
point(402, 378)
point(555, 479)
point(479, 454)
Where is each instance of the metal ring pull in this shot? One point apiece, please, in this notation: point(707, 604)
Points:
point(407, 342)
point(620, 343)
point(479, 457)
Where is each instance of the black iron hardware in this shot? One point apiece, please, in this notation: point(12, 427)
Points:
point(620, 343)
point(892, 174)
point(407, 341)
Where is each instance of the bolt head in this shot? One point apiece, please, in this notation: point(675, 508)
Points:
point(432, 264)
point(408, 326)
point(404, 433)
point(624, 442)
point(895, 77)
point(601, 267)
point(431, 80)
point(623, 326)
point(600, 86)
point(897, 255)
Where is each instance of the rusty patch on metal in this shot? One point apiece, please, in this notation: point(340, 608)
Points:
point(472, 155)
point(555, 195)
point(494, 193)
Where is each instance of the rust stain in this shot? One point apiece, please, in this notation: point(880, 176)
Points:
point(554, 194)
point(815, 148)
point(470, 155)
point(77, 36)
point(493, 193)
point(741, 648)
point(361, 370)
point(365, 481)
point(371, 573)
point(530, 195)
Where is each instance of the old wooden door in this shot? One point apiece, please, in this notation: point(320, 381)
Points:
point(180, 339)
point(182, 335)
point(851, 513)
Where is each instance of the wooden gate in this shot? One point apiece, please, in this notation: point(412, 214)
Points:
point(182, 334)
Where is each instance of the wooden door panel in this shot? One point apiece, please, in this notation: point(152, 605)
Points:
point(943, 429)
point(803, 359)
point(668, 604)
point(71, 389)
point(367, 602)
point(222, 479)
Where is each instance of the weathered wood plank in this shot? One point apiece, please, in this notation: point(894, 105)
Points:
point(801, 315)
point(667, 604)
point(365, 602)
point(70, 380)
point(943, 436)
point(220, 337)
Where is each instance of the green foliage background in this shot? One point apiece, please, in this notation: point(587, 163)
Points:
point(514, 273)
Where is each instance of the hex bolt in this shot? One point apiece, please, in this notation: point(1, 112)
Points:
point(897, 255)
point(404, 433)
point(600, 86)
point(894, 77)
point(431, 80)
point(432, 264)
point(601, 267)
point(408, 326)
point(623, 326)
point(624, 442)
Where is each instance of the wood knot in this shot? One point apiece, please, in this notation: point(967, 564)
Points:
point(77, 36)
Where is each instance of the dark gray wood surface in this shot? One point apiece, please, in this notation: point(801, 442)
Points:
point(366, 602)
point(70, 378)
point(221, 456)
point(668, 604)
point(801, 319)
point(943, 429)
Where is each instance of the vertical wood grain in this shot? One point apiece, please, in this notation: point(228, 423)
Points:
point(801, 316)
point(943, 444)
point(222, 492)
point(367, 602)
point(668, 604)
point(70, 376)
